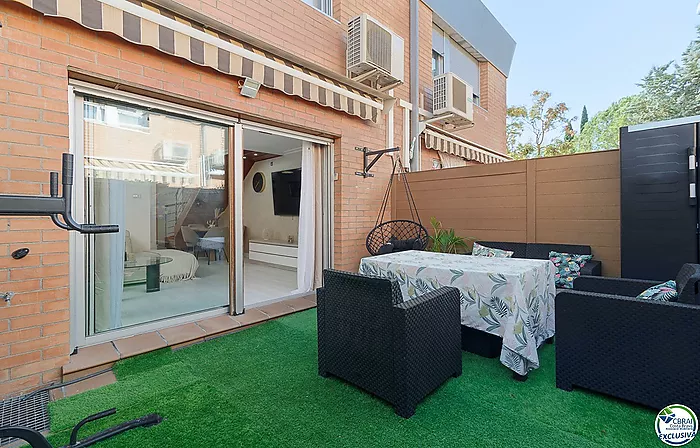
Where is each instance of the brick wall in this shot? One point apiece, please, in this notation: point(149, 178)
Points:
point(490, 118)
point(36, 54)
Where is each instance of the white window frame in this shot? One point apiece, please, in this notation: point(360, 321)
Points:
point(78, 319)
point(324, 6)
point(446, 61)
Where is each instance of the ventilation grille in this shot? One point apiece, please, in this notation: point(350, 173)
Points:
point(355, 42)
point(378, 46)
point(440, 93)
point(459, 95)
point(28, 411)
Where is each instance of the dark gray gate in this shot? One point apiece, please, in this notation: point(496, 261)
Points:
point(659, 213)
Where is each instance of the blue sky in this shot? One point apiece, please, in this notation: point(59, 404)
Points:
point(591, 52)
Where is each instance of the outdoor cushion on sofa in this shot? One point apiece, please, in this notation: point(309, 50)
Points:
point(664, 292)
point(568, 267)
point(540, 251)
point(483, 251)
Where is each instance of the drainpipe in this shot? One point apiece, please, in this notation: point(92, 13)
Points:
point(415, 87)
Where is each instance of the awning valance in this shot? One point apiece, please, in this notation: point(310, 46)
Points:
point(145, 24)
point(136, 170)
point(460, 148)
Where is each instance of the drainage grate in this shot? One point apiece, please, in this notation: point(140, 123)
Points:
point(30, 412)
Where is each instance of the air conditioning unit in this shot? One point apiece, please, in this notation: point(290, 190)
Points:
point(453, 102)
point(374, 54)
point(217, 160)
point(172, 152)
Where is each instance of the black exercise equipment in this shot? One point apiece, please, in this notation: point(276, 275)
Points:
point(37, 440)
point(54, 206)
point(400, 234)
point(59, 209)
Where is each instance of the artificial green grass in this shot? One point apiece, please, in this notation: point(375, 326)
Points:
point(260, 387)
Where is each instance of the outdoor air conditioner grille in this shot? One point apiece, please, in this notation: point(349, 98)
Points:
point(354, 42)
point(440, 93)
point(379, 46)
point(459, 95)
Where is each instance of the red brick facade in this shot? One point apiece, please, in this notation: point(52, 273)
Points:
point(37, 56)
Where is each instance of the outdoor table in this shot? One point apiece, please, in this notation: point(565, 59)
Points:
point(508, 297)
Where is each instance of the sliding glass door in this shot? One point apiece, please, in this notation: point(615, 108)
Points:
point(162, 178)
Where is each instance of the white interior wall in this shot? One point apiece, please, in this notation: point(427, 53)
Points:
point(258, 208)
point(140, 215)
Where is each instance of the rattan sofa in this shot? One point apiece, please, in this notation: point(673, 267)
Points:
point(399, 351)
point(540, 251)
point(643, 351)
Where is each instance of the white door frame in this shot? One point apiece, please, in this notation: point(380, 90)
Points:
point(77, 242)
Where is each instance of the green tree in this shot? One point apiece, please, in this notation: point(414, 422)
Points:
point(603, 130)
point(545, 123)
point(668, 91)
point(569, 133)
point(584, 118)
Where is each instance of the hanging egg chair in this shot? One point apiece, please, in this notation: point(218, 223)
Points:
point(400, 234)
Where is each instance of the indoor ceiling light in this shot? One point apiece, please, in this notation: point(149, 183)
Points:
point(256, 154)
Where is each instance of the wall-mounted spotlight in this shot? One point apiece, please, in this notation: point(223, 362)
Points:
point(249, 87)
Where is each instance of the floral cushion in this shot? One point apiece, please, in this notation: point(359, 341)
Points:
point(665, 292)
point(568, 267)
point(483, 251)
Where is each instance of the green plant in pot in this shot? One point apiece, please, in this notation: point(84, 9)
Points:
point(446, 241)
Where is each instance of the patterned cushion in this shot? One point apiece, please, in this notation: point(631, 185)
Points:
point(568, 267)
point(483, 251)
point(665, 292)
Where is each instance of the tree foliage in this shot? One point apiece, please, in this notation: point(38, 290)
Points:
point(668, 91)
point(584, 118)
point(544, 122)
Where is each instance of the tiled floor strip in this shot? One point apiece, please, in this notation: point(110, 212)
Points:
point(101, 356)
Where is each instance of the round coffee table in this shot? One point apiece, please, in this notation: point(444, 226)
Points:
point(151, 261)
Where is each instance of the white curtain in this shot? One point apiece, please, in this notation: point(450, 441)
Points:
point(309, 258)
point(451, 161)
point(109, 249)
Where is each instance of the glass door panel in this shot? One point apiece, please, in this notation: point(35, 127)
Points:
point(161, 178)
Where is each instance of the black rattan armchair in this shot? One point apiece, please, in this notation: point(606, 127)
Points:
point(643, 351)
point(399, 351)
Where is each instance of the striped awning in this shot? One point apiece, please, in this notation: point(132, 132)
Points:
point(460, 148)
point(145, 24)
point(136, 170)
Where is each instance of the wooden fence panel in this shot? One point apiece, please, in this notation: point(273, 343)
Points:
point(568, 199)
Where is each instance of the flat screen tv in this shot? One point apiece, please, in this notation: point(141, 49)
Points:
point(286, 192)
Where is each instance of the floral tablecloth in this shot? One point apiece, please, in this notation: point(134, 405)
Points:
point(508, 297)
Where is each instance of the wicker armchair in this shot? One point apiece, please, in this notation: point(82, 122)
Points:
point(399, 351)
point(642, 351)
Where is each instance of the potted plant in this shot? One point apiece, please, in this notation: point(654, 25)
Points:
point(446, 241)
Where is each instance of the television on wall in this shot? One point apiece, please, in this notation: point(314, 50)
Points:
point(286, 192)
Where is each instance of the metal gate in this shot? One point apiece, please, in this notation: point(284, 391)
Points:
point(659, 213)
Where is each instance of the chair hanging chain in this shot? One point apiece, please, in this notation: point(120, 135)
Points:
point(409, 196)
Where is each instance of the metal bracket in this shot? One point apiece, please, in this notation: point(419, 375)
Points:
point(7, 296)
point(368, 153)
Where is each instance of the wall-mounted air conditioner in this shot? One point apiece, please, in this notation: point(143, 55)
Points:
point(374, 53)
point(453, 102)
point(172, 152)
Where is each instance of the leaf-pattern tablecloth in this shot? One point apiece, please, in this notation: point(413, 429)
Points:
point(509, 297)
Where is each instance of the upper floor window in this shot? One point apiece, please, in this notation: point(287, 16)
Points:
point(449, 56)
point(117, 116)
point(325, 6)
